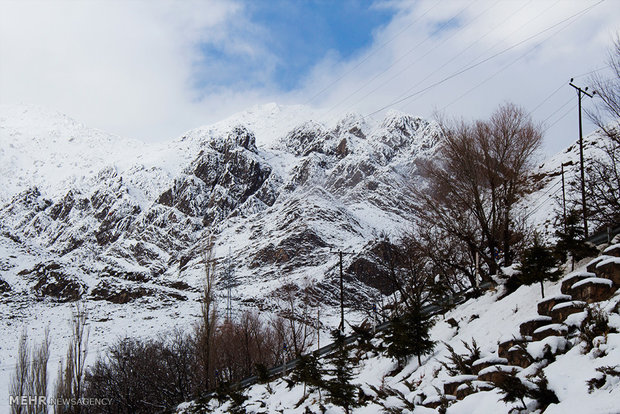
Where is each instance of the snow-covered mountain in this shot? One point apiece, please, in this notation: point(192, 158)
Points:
point(121, 224)
point(129, 213)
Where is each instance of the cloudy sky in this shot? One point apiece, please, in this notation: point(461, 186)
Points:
point(153, 69)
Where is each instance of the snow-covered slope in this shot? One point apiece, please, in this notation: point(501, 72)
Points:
point(541, 206)
point(121, 225)
point(487, 320)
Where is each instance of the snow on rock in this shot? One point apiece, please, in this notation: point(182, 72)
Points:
point(553, 326)
point(569, 304)
point(500, 368)
point(491, 360)
point(553, 344)
point(593, 280)
point(615, 260)
point(611, 248)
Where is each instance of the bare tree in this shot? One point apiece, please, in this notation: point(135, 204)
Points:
point(20, 383)
point(606, 113)
point(408, 268)
point(38, 372)
point(478, 175)
point(603, 175)
point(70, 379)
point(30, 377)
point(295, 307)
point(207, 326)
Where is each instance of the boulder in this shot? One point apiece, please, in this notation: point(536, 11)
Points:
point(504, 346)
point(495, 373)
point(451, 384)
point(517, 356)
point(483, 363)
point(609, 269)
point(435, 401)
point(528, 327)
point(593, 289)
point(545, 306)
point(591, 266)
point(554, 329)
point(469, 388)
point(613, 250)
point(569, 280)
point(560, 312)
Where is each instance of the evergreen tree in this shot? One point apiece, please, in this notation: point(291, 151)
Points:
point(410, 335)
point(571, 238)
point(512, 387)
point(341, 392)
point(308, 371)
point(537, 265)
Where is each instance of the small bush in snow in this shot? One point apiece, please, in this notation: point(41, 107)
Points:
point(538, 264)
point(595, 324)
point(461, 364)
point(604, 373)
point(515, 389)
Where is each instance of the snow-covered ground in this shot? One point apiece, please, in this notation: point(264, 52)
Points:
point(58, 155)
point(487, 320)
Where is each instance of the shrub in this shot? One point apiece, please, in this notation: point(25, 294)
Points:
point(601, 379)
point(538, 264)
point(461, 364)
point(595, 324)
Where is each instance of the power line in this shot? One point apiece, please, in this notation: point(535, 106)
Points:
point(540, 198)
point(464, 50)
point(547, 98)
point(555, 91)
point(395, 62)
point(562, 117)
point(370, 54)
point(557, 110)
point(468, 68)
point(417, 60)
point(510, 64)
point(518, 29)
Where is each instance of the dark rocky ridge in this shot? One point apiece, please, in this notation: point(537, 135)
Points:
point(288, 219)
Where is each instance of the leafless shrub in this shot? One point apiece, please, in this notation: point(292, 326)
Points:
point(70, 379)
point(475, 180)
point(20, 384)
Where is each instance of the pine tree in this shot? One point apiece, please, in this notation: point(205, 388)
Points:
point(341, 392)
point(537, 265)
point(308, 371)
point(410, 335)
point(571, 238)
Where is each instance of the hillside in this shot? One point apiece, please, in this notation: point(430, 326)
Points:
point(120, 225)
point(559, 350)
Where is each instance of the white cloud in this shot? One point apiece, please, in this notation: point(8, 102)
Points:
point(526, 74)
point(132, 67)
point(122, 66)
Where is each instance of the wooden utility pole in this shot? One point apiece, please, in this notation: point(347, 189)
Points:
point(581, 92)
point(564, 196)
point(341, 327)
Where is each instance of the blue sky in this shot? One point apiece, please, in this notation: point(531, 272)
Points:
point(153, 69)
point(298, 33)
